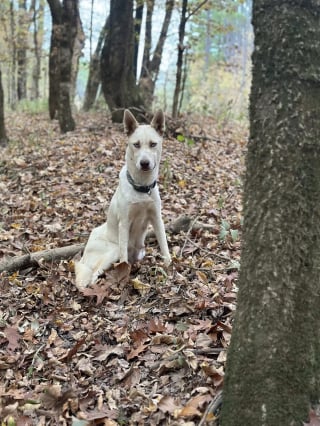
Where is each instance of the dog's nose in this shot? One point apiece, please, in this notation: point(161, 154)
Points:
point(145, 164)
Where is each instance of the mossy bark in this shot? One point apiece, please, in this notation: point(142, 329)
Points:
point(272, 374)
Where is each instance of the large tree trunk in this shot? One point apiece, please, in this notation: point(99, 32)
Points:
point(117, 62)
point(272, 373)
point(3, 133)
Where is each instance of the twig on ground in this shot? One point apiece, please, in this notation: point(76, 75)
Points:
point(212, 407)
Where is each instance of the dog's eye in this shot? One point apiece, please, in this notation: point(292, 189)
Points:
point(137, 145)
point(153, 144)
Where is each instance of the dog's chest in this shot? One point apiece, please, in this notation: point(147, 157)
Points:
point(141, 213)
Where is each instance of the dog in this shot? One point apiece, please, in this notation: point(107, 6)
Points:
point(135, 204)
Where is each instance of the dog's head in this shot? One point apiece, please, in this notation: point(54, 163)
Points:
point(144, 142)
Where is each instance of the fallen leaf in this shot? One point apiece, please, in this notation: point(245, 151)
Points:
point(13, 337)
point(168, 404)
point(141, 287)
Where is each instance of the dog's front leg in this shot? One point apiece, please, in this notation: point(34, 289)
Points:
point(123, 239)
point(160, 232)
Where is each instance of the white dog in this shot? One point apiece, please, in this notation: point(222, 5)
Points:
point(135, 204)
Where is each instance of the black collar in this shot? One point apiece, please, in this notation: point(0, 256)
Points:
point(146, 189)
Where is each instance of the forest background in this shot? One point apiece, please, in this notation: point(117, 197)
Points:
point(216, 54)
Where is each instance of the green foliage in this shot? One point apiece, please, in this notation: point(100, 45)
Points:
point(227, 233)
point(33, 107)
point(223, 93)
point(181, 138)
point(219, 37)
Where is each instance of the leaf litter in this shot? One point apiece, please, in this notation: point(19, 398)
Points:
point(147, 344)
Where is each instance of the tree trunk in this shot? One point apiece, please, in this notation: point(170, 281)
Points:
point(94, 71)
point(54, 58)
point(137, 32)
point(272, 373)
point(117, 62)
point(148, 41)
point(150, 68)
point(78, 46)
point(70, 16)
point(65, 24)
point(181, 47)
point(13, 53)
point(38, 22)
point(22, 51)
point(3, 133)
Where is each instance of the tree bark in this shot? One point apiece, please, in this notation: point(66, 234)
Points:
point(3, 133)
point(38, 23)
point(94, 77)
point(22, 50)
point(151, 67)
point(13, 53)
point(65, 24)
point(272, 372)
point(181, 47)
point(78, 46)
point(137, 32)
point(117, 63)
point(54, 58)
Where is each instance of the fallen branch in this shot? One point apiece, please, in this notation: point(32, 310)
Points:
point(212, 408)
point(18, 263)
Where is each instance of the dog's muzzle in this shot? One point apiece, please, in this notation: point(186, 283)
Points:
point(145, 165)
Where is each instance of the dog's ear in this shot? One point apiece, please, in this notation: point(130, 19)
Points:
point(129, 122)
point(158, 122)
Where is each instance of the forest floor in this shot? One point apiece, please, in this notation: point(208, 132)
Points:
point(147, 348)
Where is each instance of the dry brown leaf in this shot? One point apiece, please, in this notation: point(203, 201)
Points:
point(13, 336)
point(168, 404)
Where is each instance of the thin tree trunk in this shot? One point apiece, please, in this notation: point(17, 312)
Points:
point(145, 73)
point(94, 77)
point(13, 54)
point(137, 31)
point(22, 51)
point(3, 133)
point(181, 47)
point(76, 55)
point(273, 365)
point(38, 22)
point(54, 58)
point(150, 67)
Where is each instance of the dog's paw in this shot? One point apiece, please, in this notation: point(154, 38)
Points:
point(83, 275)
point(167, 260)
